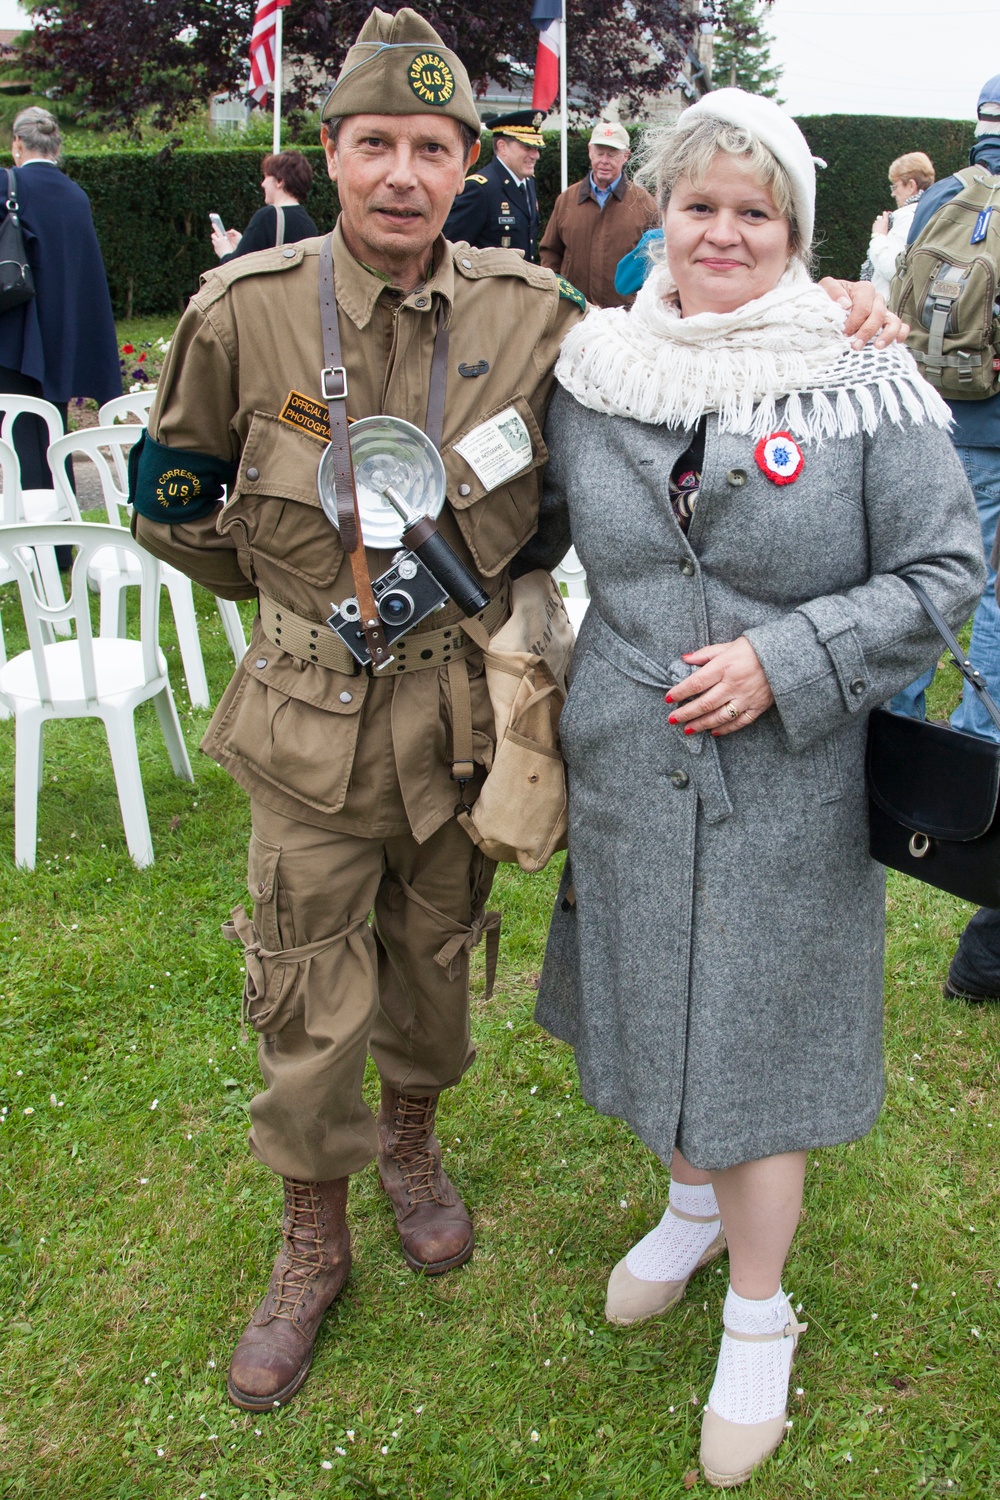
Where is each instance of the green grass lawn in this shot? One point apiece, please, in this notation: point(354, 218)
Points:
point(136, 1233)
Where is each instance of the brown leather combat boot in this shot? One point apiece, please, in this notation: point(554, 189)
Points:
point(272, 1358)
point(434, 1225)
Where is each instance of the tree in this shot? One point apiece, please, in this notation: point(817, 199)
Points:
point(122, 60)
point(742, 51)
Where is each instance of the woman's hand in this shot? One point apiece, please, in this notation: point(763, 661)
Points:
point(220, 243)
point(867, 315)
point(881, 224)
point(727, 693)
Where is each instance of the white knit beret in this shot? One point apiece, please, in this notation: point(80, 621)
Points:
point(774, 129)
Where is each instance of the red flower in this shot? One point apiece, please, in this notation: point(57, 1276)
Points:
point(142, 356)
point(128, 348)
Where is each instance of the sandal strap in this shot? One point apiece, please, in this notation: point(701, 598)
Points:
point(679, 1213)
point(792, 1329)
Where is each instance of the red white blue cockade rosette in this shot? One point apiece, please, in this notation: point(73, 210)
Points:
point(779, 457)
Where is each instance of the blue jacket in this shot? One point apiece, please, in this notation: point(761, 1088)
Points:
point(977, 423)
point(65, 336)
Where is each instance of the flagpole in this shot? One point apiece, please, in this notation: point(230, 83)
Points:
point(276, 137)
point(563, 113)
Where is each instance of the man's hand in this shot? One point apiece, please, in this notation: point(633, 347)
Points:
point(868, 317)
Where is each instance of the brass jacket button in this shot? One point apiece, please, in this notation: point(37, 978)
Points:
point(679, 779)
point(736, 477)
point(687, 568)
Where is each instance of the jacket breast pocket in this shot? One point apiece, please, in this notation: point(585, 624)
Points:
point(494, 483)
point(274, 513)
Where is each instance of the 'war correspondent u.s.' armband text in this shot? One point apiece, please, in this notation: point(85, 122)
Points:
point(171, 484)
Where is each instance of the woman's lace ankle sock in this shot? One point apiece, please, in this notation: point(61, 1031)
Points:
point(751, 1380)
point(671, 1251)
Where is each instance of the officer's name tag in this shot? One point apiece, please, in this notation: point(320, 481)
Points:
point(498, 449)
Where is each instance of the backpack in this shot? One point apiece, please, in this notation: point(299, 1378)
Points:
point(946, 289)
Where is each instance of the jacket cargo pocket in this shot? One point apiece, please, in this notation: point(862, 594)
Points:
point(292, 723)
point(274, 511)
point(496, 521)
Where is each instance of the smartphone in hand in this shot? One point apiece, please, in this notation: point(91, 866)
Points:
point(217, 224)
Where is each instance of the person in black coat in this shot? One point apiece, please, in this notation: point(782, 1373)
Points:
point(499, 205)
point(287, 178)
point(63, 342)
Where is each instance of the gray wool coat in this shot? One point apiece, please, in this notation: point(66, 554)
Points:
point(720, 972)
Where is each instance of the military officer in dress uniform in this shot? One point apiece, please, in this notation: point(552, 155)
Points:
point(355, 777)
point(499, 205)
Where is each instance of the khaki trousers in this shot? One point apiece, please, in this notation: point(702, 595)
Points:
point(324, 988)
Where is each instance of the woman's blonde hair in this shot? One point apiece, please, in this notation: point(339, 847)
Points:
point(38, 130)
point(915, 165)
point(666, 154)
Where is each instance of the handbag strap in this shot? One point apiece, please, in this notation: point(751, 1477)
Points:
point(968, 671)
point(12, 206)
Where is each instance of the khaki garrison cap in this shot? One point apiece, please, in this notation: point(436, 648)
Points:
point(400, 66)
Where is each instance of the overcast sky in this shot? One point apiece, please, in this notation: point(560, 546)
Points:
point(889, 57)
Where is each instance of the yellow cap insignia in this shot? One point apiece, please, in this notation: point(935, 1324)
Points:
point(431, 79)
point(177, 487)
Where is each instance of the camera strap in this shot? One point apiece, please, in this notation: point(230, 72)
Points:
point(333, 383)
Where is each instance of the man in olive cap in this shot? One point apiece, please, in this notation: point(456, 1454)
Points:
point(499, 205)
point(354, 776)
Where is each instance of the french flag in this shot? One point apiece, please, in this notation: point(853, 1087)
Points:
point(547, 15)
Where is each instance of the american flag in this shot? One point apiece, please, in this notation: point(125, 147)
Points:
point(262, 48)
point(547, 15)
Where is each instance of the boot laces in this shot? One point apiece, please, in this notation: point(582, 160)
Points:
point(303, 1248)
point(412, 1124)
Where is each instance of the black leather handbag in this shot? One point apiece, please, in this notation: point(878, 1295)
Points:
point(17, 283)
point(933, 792)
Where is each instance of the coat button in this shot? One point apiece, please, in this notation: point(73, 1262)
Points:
point(858, 686)
point(289, 254)
point(679, 779)
point(420, 302)
point(347, 697)
point(253, 473)
point(261, 661)
point(467, 264)
point(687, 568)
point(465, 489)
point(736, 477)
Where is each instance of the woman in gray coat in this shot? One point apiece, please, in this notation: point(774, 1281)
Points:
point(740, 484)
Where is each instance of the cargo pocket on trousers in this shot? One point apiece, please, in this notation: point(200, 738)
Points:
point(276, 979)
point(264, 886)
point(459, 939)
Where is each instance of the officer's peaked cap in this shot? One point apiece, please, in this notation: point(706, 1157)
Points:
point(400, 66)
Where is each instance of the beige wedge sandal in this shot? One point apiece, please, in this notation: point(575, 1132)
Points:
point(730, 1451)
point(632, 1300)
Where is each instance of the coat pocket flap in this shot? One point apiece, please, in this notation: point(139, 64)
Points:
point(308, 682)
point(279, 461)
point(503, 446)
point(933, 779)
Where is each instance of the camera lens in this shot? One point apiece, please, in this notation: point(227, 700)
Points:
point(395, 607)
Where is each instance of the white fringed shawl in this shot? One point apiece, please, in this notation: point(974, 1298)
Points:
point(648, 363)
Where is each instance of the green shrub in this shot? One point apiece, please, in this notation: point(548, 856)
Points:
point(151, 206)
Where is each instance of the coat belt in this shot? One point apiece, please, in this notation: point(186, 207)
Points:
point(313, 641)
point(634, 664)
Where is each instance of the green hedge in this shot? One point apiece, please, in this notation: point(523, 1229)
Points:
point(151, 207)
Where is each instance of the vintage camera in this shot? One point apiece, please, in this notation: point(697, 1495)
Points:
point(404, 595)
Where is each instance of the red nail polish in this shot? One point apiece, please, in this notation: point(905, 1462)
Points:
point(688, 729)
point(672, 719)
point(668, 699)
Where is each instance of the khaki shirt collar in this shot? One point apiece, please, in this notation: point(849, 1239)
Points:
point(359, 289)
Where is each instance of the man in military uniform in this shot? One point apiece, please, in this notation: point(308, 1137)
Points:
point(499, 205)
point(355, 777)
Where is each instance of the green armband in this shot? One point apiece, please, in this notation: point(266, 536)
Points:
point(170, 484)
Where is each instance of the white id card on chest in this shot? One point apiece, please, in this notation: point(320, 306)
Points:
point(498, 449)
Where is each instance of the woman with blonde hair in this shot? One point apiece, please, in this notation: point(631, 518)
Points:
point(738, 483)
point(909, 178)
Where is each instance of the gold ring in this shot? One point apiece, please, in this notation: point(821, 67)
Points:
point(731, 710)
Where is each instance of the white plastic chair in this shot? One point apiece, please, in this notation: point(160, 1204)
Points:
point(39, 506)
point(84, 677)
point(11, 514)
point(131, 408)
point(573, 574)
point(112, 582)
